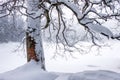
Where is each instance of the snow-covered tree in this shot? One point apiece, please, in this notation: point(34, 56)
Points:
point(33, 34)
point(53, 14)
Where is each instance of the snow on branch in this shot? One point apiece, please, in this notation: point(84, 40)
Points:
point(70, 5)
point(100, 29)
point(87, 12)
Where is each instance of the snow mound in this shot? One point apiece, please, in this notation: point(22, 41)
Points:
point(29, 71)
point(95, 75)
point(91, 75)
point(32, 71)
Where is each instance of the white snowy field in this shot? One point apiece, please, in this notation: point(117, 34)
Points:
point(9, 58)
point(108, 58)
point(32, 71)
point(105, 58)
point(92, 66)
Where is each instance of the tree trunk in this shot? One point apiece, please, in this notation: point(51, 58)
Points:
point(33, 36)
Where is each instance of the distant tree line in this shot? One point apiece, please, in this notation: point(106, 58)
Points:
point(11, 28)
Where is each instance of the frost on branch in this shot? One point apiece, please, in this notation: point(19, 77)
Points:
point(95, 1)
point(100, 29)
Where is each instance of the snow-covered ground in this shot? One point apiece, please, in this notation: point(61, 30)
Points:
point(32, 71)
point(92, 66)
point(107, 59)
point(9, 58)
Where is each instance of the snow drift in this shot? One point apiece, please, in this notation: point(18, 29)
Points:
point(29, 71)
point(32, 71)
